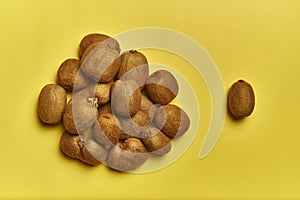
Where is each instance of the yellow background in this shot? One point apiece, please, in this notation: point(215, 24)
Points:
point(257, 158)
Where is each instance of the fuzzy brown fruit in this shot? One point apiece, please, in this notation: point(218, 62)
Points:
point(241, 100)
point(106, 130)
point(102, 92)
point(156, 141)
point(127, 156)
point(162, 87)
point(68, 119)
point(81, 113)
point(125, 98)
point(135, 125)
point(147, 106)
point(51, 104)
point(134, 66)
point(100, 63)
point(134, 145)
point(69, 73)
point(172, 120)
point(93, 38)
point(93, 151)
point(87, 151)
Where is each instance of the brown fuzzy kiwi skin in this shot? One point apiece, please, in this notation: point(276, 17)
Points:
point(93, 151)
point(106, 130)
point(134, 145)
point(84, 110)
point(69, 73)
point(125, 98)
point(74, 147)
point(129, 158)
point(93, 38)
point(162, 87)
point(51, 103)
point(70, 145)
point(68, 119)
point(81, 81)
point(99, 91)
point(102, 92)
point(147, 106)
point(241, 99)
point(156, 141)
point(100, 63)
point(134, 66)
point(172, 120)
point(135, 125)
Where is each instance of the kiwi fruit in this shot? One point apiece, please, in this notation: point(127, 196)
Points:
point(162, 87)
point(69, 73)
point(134, 145)
point(70, 145)
point(156, 141)
point(68, 119)
point(172, 120)
point(51, 103)
point(106, 130)
point(100, 63)
point(134, 66)
point(102, 92)
point(84, 109)
point(93, 151)
point(128, 156)
point(147, 106)
point(241, 99)
point(93, 38)
point(135, 125)
point(87, 151)
point(125, 98)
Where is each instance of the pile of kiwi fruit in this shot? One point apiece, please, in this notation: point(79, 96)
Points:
point(118, 114)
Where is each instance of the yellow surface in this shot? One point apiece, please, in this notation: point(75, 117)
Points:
point(257, 158)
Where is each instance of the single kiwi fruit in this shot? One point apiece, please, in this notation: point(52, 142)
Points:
point(241, 99)
point(134, 66)
point(51, 104)
point(135, 125)
point(87, 151)
point(100, 63)
point(156, 141)
point(128, 156)
point(134, 145)
point(93, 151)
point(106, 130)
point(84, 109)
point(162, 87)
point(125, 98)
point(102, 92)
point(172, 120)
point(69, 73)
point(68, 118)
point(93, 38)
point(147, 106)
